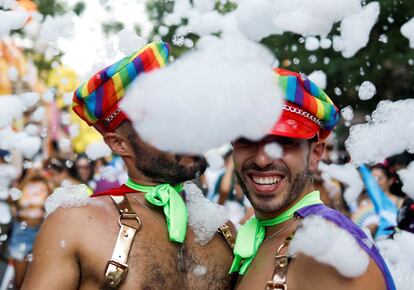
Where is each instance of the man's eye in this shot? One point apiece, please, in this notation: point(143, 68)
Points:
point(287, 143)
point(242, 142)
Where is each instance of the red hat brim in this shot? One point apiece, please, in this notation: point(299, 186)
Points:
point(294, 125)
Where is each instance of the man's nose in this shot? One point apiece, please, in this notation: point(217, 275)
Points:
point(262, 159)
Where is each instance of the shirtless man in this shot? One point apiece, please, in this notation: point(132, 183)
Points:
point(74, 245)
point(281, 193)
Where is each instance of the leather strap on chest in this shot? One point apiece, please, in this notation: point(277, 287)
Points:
point(278, 281)
point(130, 224)
point(226, 232)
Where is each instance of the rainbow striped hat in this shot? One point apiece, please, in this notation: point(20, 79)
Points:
point(96, 101)
point(308, 111)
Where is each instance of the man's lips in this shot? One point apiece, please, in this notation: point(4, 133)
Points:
point(265, 182)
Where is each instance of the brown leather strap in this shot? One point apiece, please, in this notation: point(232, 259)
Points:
point(130, 224)
point(278, 281)
point(226, 232)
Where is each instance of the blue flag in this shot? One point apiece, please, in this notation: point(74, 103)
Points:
point(386, 210)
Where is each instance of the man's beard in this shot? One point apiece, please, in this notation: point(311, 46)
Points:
point(162, 169)
point(297, 184)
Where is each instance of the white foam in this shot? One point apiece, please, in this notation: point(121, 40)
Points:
point(39, 114)
point(407, 178)
point(349, 176)
point(55, 27)
point(11, 108)
point(205, 86)
point(129, 42)
point(273, 150)
point(398, 255)
point(370, 142)
point(204, 217)
point(408, 31)
point(312, 43)
point(366, 91)
point(347, 113)
point(29, 99)
point(319, 78)
point(68, 197)
point(331, 245)
point(12, 20)
point(98, 150)
point(356, 28)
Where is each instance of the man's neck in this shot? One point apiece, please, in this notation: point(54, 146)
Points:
point(140, 178)
point(273, 229)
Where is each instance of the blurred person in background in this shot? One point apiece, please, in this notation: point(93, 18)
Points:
point(85, 170)
point(330, 189)
point(229, 194)
point(59, 173)
point(10, 170)
point(106, 175)
point(366, 216)
point(29, 214)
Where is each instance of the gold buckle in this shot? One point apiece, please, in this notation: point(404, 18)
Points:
point(128, 217)
point(115, 272)
point(272, 285)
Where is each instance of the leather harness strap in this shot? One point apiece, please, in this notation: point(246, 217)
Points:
point(278, 281)
point(130, 224)
point(226, 232)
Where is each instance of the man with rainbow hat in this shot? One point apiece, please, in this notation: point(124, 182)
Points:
point(136, 236)
point(281, 193)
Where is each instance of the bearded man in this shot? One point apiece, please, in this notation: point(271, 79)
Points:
point(136, 236)
point(281, 193)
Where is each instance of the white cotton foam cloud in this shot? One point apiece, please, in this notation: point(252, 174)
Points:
point(129, 42)
point(98, 150)
point(261, 18)
point(331, 245)
point(204, 217)
point(349, 176)
point(55, 27)
point(11, 108)
point(319, 78)
point(408, 31)
point(209, 97)
point(407, 178)
point(370, 142)
point(398, 255)
point(366, 91)
point(255, 19)
point(356, 28)
point(12, 20)
point(67, 197)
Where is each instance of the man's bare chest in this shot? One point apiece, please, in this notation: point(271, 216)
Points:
point(156, 263)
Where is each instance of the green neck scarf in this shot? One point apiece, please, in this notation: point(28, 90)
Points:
point(174, 207)
point(251, 235)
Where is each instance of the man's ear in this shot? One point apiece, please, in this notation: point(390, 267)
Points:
point(316, 151)
point(118, 144)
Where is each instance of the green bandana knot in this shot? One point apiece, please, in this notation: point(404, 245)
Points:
point(173, 205)
point(251, 235)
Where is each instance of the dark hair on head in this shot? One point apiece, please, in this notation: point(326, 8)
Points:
point(384, 169)
point(33, 177)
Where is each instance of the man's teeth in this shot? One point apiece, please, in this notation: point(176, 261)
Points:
point(266, 180)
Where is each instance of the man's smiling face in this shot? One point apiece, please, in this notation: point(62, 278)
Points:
point(272, 185)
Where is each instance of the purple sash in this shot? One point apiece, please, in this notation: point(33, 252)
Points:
point(346, 224)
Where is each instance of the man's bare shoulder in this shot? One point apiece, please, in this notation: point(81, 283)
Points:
point(76, 219)
point(307, 273)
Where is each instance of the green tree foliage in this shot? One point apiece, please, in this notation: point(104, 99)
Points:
point(50, 7)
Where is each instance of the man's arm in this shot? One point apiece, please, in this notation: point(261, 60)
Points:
point(305, 273)
point(55, 264)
